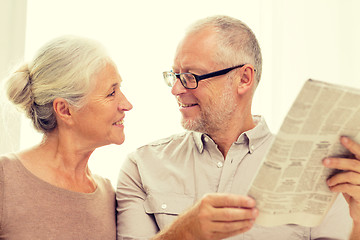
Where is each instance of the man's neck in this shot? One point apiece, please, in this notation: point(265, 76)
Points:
point(226, 137)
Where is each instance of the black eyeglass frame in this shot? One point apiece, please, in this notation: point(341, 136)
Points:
point(204, 76)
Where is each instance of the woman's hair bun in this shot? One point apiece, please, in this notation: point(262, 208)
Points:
point(19, 88)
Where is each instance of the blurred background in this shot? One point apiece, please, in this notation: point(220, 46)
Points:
point(300, 39)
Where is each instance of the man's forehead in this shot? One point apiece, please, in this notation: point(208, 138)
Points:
point(194, 53)
point(191, 60)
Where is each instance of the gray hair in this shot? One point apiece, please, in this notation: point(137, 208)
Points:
point(237, 44)
point(62, 68)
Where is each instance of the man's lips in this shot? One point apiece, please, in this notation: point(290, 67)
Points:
point(185, 105)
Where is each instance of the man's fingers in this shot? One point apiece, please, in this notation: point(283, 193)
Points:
point(223, 215)
point(347, 164)
point(230, 227)
point(222, 234)
point(234, 214)
point(218, 235)
point(351, 145)
point(351, 190)
point(344, 178)
point(343, 164)
point(229, 200)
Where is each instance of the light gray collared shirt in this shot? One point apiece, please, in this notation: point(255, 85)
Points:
point(161, 180)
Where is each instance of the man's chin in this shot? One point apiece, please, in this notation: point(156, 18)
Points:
point(191, 125)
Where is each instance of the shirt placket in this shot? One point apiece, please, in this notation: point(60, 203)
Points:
point(234, 157)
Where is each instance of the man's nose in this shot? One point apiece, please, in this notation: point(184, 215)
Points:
point(178, 88)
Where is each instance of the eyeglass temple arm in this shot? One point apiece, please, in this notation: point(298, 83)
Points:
point(217, 73)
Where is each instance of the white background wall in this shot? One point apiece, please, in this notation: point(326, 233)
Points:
point(300, 39)
point(12, 43)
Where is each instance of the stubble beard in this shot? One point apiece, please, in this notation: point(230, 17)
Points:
point(215, 116)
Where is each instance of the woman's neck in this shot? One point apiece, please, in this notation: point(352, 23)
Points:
point(60, 163)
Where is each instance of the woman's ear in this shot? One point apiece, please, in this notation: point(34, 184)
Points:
point(62, 110)
point(247, 79)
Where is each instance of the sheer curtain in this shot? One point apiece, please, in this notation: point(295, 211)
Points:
point(12, 43)
point(300, 39)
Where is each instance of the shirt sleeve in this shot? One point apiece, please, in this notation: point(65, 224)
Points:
point(337, 223)
point(132, 220)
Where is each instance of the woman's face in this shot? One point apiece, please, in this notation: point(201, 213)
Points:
point(100, 121)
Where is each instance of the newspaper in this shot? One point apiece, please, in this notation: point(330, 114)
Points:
point(290, 186)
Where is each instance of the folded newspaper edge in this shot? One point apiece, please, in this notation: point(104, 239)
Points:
point(290, 185)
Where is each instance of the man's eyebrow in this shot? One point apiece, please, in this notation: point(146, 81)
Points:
point(191, 69)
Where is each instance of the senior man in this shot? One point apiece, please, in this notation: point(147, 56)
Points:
point(193, 185)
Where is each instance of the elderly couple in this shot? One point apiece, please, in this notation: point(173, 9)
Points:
point(187, 186)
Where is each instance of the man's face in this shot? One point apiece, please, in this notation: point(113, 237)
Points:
point(209, 107)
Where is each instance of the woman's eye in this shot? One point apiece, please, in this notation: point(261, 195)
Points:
point(112, 94)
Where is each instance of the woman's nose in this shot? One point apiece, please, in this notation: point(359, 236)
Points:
point(124, 104)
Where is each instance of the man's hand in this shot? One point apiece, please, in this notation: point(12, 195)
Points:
point(215, 216)
point(347, 181)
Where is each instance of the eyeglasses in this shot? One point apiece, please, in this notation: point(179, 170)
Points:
point(190, 80)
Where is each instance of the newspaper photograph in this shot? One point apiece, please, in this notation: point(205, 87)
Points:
point(290, 186)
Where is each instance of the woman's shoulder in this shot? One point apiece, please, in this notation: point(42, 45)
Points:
point(103, 183)
point(9, 166)
point(7, 159)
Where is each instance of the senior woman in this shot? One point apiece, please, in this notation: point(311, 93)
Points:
point(71, 92)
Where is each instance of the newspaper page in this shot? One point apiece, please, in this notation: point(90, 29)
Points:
point(290, 186)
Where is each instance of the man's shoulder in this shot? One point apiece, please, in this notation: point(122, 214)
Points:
point(168, 144)
point(175, 138)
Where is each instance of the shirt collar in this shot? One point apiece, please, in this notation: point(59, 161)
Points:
point(253, 138)
point(198, 138)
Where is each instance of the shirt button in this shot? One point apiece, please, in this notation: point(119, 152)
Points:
point(219, 164)
point(163, 206)
point(206, 139)
point(252, 148)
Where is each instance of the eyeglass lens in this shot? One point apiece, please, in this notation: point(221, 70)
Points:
point(188, 80)
point(170, 78)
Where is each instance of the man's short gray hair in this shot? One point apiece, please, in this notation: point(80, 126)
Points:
point(237, 44)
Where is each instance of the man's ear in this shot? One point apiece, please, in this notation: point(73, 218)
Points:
point(247, 79)
point(62, 110)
